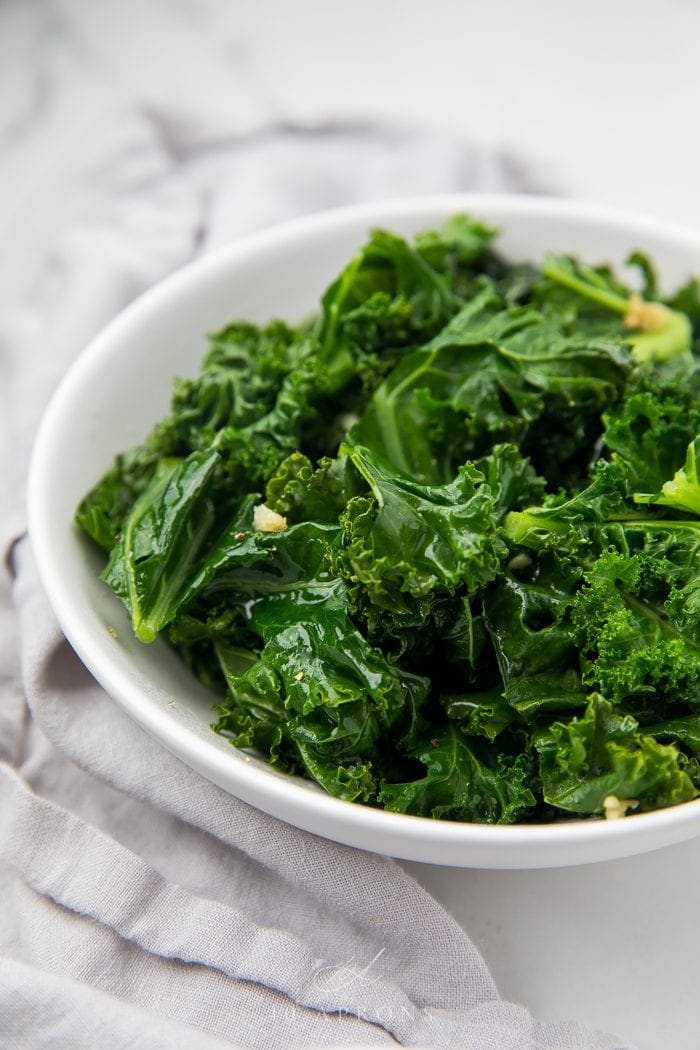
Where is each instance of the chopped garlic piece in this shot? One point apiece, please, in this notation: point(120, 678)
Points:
point(266, 520)
point(347, 420)
point(647, 317)
point(298, 676)
point(615, 808)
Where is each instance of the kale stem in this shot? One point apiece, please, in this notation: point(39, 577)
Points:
point(554, 272)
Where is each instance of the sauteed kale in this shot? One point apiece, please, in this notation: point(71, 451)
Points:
point(437, 548)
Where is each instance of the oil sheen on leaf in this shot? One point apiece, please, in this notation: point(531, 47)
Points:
point(482, 602)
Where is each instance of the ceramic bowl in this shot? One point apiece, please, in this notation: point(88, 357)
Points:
point(121, 385)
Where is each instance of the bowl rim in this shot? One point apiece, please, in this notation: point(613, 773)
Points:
point(278, 795)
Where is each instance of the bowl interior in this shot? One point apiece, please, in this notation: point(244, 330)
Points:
point(121, 385)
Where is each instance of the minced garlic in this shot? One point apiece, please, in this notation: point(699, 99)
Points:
point(615, 808)
point(644, 316)
point(266, 520)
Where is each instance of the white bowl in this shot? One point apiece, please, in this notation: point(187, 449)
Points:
point(121, 385)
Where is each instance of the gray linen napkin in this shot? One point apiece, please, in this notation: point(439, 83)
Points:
point(143, 906)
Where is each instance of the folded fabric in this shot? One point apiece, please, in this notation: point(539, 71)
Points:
point(144, 906)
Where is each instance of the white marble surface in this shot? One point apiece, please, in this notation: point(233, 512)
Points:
point(603, 96)
point(603, 99)
point(615, 944)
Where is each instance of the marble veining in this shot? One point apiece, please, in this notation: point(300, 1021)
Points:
point(603, 97)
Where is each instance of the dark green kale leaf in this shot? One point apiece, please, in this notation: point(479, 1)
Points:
point(407, 541)
point(252, 452)
point(164, 535)
point(491, 375)
point(650, 429)
point(484, 714)
point(461, 242)
point(103, 510)
point(527, 613)
point(253, 401)
point(528, 621)
point(511, 479)
point(571, 524)
point(303, 493)
point(603, 755)
point(458, 785)
point(437, 383)
point(257, 392)
point(238, 384)
point(683, 731)
point(637, 647)
point(316, 688)
point(389, 288)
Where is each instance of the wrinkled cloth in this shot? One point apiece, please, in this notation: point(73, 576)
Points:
point(142, 905)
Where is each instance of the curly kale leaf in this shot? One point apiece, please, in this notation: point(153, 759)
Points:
point(407, 541)
point(303, 493)
point(237, 385)
point(255, 397)
point(650, 429)
point(490, 375)
point(415, 300)
point(253, 402)
point(458, 785)
point(511, 479)
point(316, 686)
point(636, 648)
point(484, 714)
point(571, 524)
point(603, 755)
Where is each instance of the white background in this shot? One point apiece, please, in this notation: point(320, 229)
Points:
point(603, 95)
point(602, 99)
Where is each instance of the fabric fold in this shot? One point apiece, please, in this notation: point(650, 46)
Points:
point(61, 1012)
